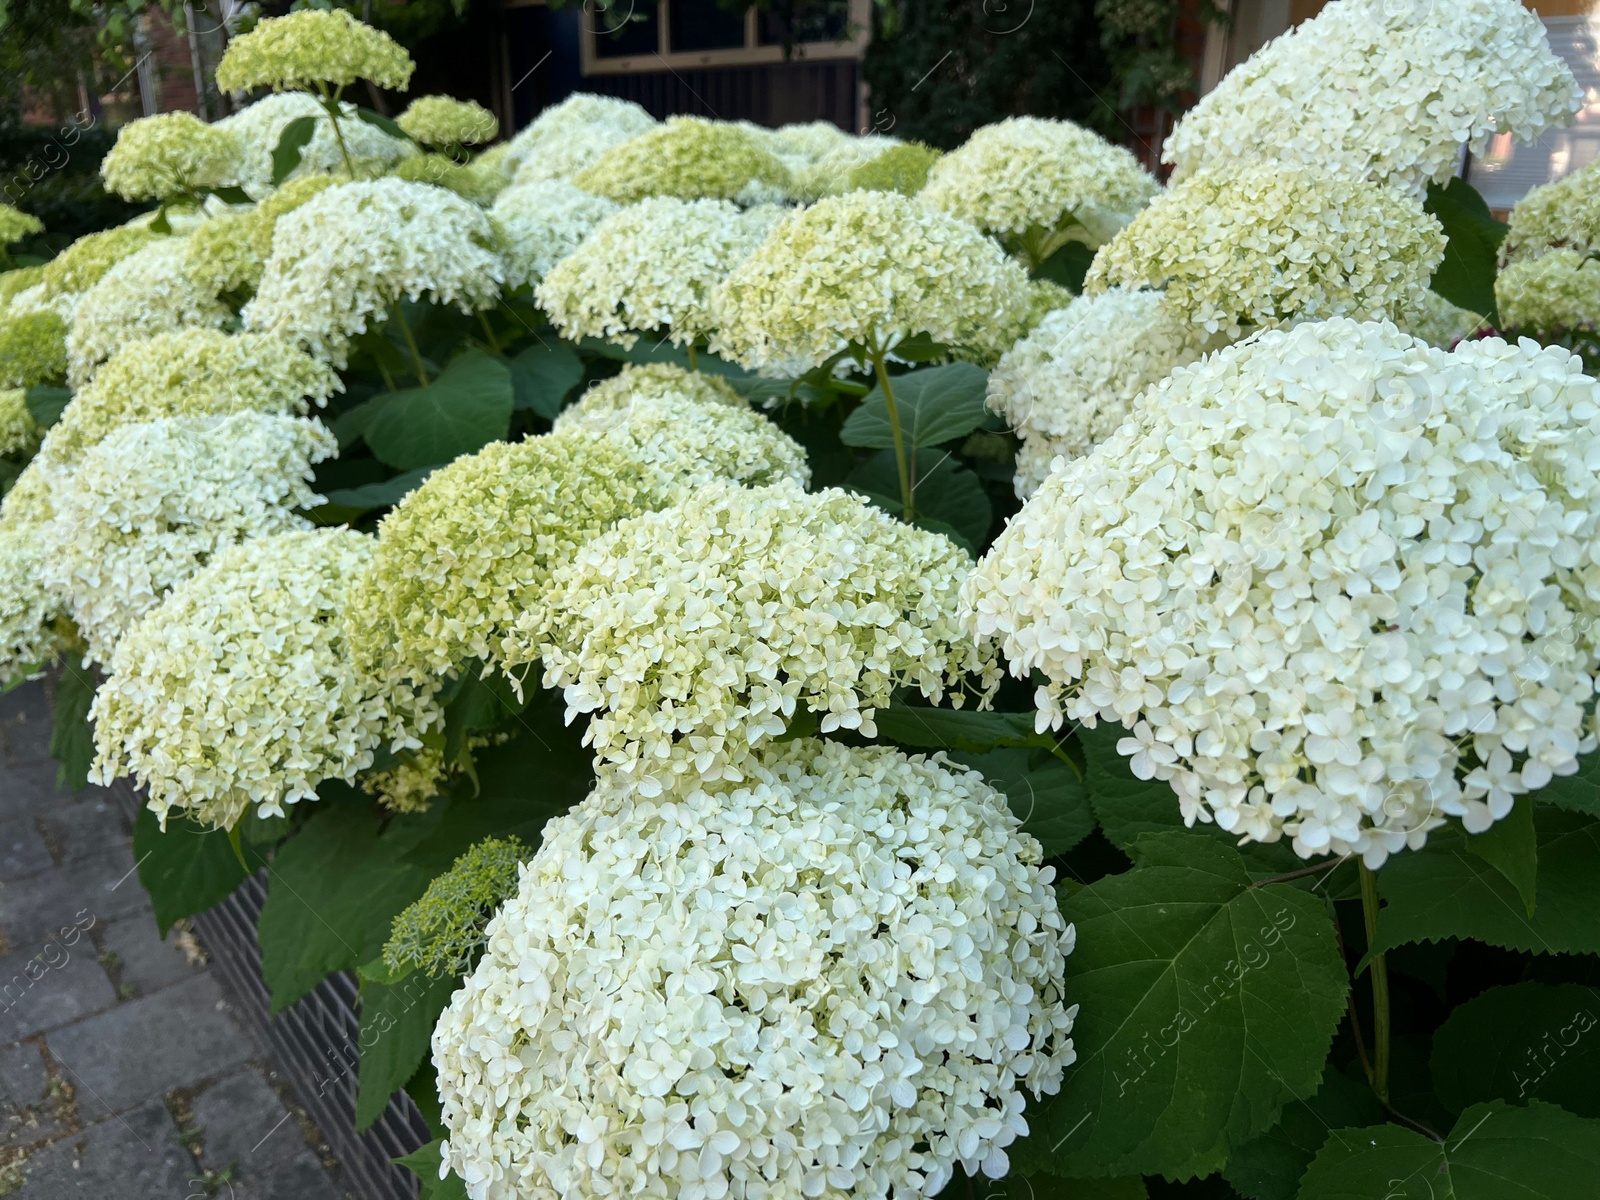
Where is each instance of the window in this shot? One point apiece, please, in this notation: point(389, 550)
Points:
point(624, 36)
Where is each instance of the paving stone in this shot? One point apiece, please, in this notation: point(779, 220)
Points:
point(93, 825)
point(135, 1156)
point(301, 1178)
point(29, 1111)
point(22, 850)
point(177, 1037)
point(30, 789)
point(54, 986)
point(145, 962)
point(243, 1122)
point(102, 887)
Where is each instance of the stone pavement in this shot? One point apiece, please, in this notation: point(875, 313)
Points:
point(123, 1074)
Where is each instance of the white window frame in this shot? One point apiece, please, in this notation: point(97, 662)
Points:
point(750, 54)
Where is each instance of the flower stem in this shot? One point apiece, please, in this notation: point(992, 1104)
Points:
point(331, 103)
point(1378, 970)
point(488, 331)
point(909, 511)
point(694, 364)
point(411, 344)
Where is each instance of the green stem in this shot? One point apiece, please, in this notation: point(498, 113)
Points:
point(332, 105)
point(1067, 758)
point(694, 364)
point(388, 379)
point(488, 331)
point(1378, 972)
point(411, 344)
point(901, 464)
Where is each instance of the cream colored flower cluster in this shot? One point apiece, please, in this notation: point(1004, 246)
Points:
point(604, 403)
point(16, 225)
point(238, 691)
point(259, 127)
point(30, 633)
point(539, 224)
point(1385, 90)
point(1559, 290)
point(33, 348)
point(472, 548)
point(352, 251)
point(655, 265)
point(1040, 183)
point(189, 373)
point(868, 269)
point(19, 433)
point(1339, 585)
point(694, 633)
point(151, 291)
point(446, 122)
point(1260, 245)
point(753, 990)
point(1564, 215)
point(170, 154)
point(229, 252)
point(1066, 387)
point(1438, 322)
point(689, 158)
point(152, 503)
point(567, 137)
point(84, 263)
point(310, 48)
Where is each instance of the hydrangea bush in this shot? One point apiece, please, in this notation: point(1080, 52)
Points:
point(776, 696)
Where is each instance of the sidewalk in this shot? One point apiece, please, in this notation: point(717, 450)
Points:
point(122, 1071)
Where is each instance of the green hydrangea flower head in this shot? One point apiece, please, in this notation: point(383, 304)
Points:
point(310, 49)
point(19, 433)
point(689, 158)
point(229, 252)
point(170, 154)
point(442, 933)
point(901, 168)
point(20, 280)
point(443, 171)
point(445, 122)
point(33, 348)
point(1562, 215)
point(79, 267)
point(16, 225)
point(1557, 291)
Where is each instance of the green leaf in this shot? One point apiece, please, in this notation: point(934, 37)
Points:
point(334, 890)
point(424, 1164)
point(946, 494)
point(1511, 847)
point(232, 195)
point(396, 1022)
point(1127, 807)
point(541, 377)
point(482, 704)
point(380, 494)
point(1047, 794)
point(936, 405)
point(1495, 1152)
point(1444, 892)
point(379, 121)
point(1067, 266)
point(296, 135)
point(45, 402)
point(1270, 1167)
point(423, 1088)
point(1528, 1041)
point(72, 736)
point(1466, 276)
point(187, 869)
point(467, 407)
point(1043, 1187)
point(1579, 792)
point(958, 729)
point(1208, 1004)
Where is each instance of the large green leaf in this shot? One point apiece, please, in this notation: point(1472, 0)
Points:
point(396, 1022)
point(187, 869)
point(935, 404)
point(1208, 1003)
point(542, 375)
point(292, 140)
point(1127, 807)
point(378, 121)
point(1270, 1166)
point(1495, 1152)
point(948, 497)
point(1528, 1041)
point(1511, 847)
point(424, 1164)
point(1043, 1187)
point(958, 728)
point(1466, 276)
point(1047, 794)
point(334, 890)
point(45, 402)
point(468, 406)
point(379, 494)
point(1579, 792)
point(71, 735)
point(1445, 892)
point(1067, 266)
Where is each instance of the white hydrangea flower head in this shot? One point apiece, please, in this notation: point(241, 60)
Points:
point(19, 433)
point(448, 122)
point(31, 626)
point(229, 252)
point(152, 503)
point(601, 405)
point(1066, 387)
point(1261, 244)
point(1439, 322)
point(827, 172)
point(238, 690)
point(1039, 184)
point(170, 154)
point(259, 126)
point(655, 265)
point(1384, 90)
point(689, 158)
point(28, 507)
point(355, 249)
point(16, 225)
point(1559, 290)
point(645, 1018)
point(868, 269)
point(539, 224)
point(567, 137)
point(1564, 215)
point(189, 373)
point(460, 558)
point(694, 633)
point(1339, 585)
point(84, 263)
point(151, 291)
point(306, 49)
